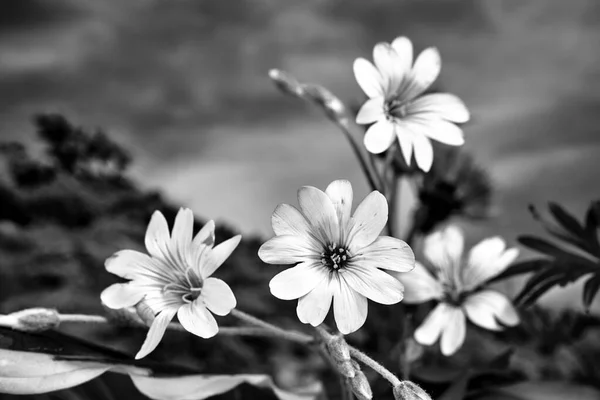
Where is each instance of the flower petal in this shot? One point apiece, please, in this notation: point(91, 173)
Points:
point(287, 249)
point(388, 253)
point(443, 105)
point(368, 78)
point(218, 296)
point(350, 308)
point(320, 213)
point(371, 111)
point(419, 285)
point(340, 193)
point(297, 281)
point(313, 307)
point(374, 284)
point(181, 237)
point(431, 329)
point(379, 136)
point(157, 235)
point(487, 307)
point(121, 295)
point(423, 152)
point(444, 250)
point(196, 319)
point(454, 332)
point(368, 221)
point(405, 140)
point(435, 128)
point(287, 220)
point(386, 60)
point(486, 260)
point(217, 256)
point(206, 235)
point(131, 264)
point(404, 49)
point(425, 71)
point(156, 332)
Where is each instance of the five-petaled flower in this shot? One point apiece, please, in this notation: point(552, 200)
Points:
point(457, 287)
point(338, 255)
point(175, 278)
point(394, 87)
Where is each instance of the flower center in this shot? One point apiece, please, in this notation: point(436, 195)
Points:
point(335, 257)
point(189, 287)
point(394, 109)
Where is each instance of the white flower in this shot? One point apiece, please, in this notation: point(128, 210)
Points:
point(338, 255)
point(394, 87)
point(457, 285)
point(175, 278)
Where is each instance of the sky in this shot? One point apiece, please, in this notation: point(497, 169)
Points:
point(183, 84)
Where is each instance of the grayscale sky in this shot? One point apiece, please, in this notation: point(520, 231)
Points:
point(183, 84)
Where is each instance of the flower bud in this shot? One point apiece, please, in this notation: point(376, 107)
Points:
point(145, 313)
point(360, 384)
point(124, 316)
point(407, 390)
point(32, 320)
point(333, 107)
point(340, 353)
point(286, 83)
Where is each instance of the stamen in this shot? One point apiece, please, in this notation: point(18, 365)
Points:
point(334, 257)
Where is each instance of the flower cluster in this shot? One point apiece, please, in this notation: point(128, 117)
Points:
point(397, 107)
point(457, 285)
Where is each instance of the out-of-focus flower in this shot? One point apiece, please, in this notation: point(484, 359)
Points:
point(456, 284)
point(175, 278)
point(397, 107)
point(456, 185)
point(338, 255)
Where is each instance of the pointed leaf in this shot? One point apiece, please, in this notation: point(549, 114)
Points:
point(590, 289)
point(198, 387)
point(539, 284)
point(550, 249)
point(522, 267)
point(566, 220)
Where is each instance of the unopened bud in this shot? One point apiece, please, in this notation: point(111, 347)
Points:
point(124, 316)
point(333, 107)
point(145, 313)
point(286, 82)
point(32, 320)
point(407, 390)
point(340, 353)
point(360, 384)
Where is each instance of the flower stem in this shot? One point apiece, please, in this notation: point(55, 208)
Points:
point(375, 366)
point(369, 169)
point(365, 359)
point(277, 331)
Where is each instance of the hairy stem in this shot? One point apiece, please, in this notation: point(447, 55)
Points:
point(277, 331)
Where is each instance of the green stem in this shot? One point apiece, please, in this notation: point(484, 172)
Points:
point(365, 359)
point(277, 331)
point(369, 169)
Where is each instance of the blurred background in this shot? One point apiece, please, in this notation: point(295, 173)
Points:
point(183, 86)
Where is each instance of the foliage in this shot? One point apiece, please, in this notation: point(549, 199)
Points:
point(574, 253)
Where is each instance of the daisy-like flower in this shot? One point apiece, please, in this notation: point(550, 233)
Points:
point(456, 284)
point(338, 255)
point(396, 108)
point(175, 278)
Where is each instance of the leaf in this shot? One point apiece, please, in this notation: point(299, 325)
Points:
point(62, 362)
point(539, 284)
point(566, 220)
point(541, 391)
point(522, 267)
point(457, 389)
point(197, 387)
point(590, 289)
point(548, 248)
point(33, 373)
